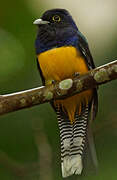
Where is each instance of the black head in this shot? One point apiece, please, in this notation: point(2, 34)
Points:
point(55, 28)
point(57, 18)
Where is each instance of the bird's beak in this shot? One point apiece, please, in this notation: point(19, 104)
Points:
point(40, 21)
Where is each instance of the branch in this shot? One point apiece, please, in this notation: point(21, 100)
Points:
point(59, 90)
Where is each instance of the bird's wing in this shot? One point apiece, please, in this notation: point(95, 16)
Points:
point(84, 49)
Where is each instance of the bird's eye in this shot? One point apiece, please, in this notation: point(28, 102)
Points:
point(56, 18)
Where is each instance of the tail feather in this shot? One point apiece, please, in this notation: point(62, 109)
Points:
point(65, 134)
point(73, 137)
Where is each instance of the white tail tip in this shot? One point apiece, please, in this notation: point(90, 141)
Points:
point(71, 165)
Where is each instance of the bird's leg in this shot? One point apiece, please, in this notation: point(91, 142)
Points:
point(53, 81)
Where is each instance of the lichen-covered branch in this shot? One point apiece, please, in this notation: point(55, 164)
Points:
point(58, 90)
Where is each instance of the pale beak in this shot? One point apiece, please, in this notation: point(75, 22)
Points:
point(40, 21)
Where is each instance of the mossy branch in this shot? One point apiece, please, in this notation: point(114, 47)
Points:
point(58, 90)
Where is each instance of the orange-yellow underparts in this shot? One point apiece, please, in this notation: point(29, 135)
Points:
point(62, 63)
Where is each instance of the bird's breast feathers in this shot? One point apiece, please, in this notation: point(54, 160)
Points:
point(61, 63)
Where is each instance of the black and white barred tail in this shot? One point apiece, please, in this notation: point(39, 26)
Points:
point(73, 140)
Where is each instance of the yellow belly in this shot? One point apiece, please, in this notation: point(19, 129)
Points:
point(61, 63)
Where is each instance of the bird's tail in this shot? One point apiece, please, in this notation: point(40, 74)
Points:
point(73, 140)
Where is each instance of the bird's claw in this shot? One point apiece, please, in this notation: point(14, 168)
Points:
point(76, 74)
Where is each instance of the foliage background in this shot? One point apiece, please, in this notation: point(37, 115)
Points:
point(31, 136)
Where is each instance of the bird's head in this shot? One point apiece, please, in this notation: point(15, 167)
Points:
point(54, 27)
point(56, 18)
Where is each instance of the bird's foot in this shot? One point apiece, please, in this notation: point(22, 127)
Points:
point(50, 81)
point(76, 74)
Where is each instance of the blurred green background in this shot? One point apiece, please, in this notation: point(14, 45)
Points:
point(29, 139)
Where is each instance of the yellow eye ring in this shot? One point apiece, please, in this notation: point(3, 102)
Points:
point(56, 18)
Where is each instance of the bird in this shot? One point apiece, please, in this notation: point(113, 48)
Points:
point(62, 52)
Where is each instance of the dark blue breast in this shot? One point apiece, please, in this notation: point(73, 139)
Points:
point(63, 37)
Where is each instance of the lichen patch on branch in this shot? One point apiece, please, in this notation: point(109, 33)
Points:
point(101, 75)
point(48, 95)
point(23, 102)
point(66, 84)
point(79, 85)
